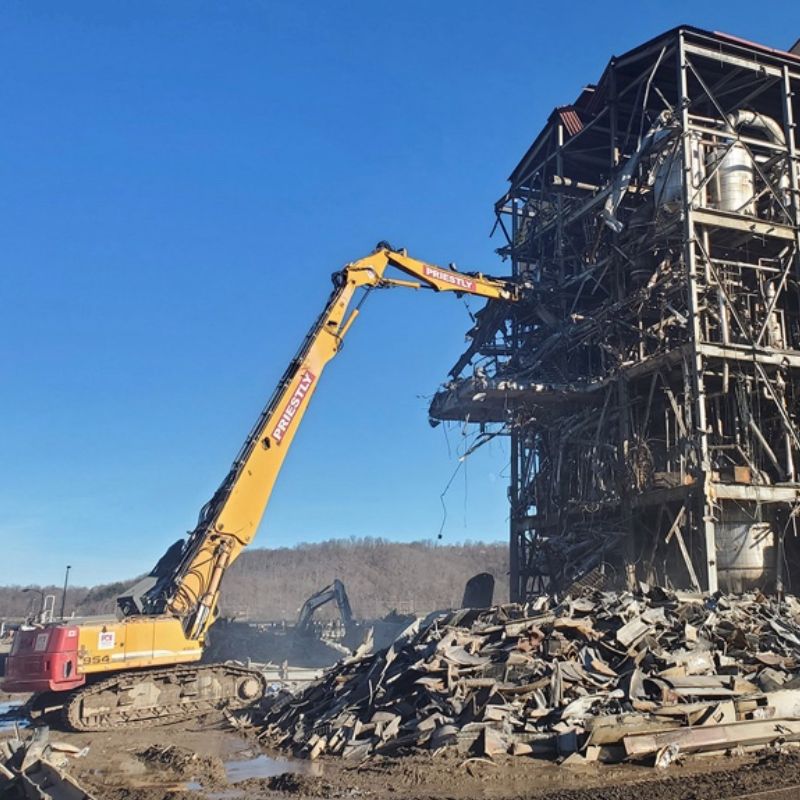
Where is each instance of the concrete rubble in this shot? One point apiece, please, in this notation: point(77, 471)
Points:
point(603, 676)
point(35, 768)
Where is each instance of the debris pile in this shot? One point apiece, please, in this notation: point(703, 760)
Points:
point(184, 763)
point(35, 767)
point(603, 676)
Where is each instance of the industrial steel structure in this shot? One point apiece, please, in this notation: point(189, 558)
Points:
point(650, 381)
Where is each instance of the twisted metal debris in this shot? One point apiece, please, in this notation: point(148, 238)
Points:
point(36, 768)
point(650, 381)
point(603, 676)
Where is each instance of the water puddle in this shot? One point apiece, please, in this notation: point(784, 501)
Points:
point(10, 713)
point(264, 766)
point(257, 766)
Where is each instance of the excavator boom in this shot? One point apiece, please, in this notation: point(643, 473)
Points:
point(166, 616)
point(229, 521)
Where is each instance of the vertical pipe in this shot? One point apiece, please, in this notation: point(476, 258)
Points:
point(64, 594)
point(514, 536)
point(725, 334)
point(667, 440)
point(707, 256)
point(560, 206)
point(790, 127)
point(706, 520)
point(623, 397)
point(790, 132)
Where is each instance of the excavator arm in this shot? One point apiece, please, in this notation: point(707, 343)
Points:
point(228, 522)
point(146, 666)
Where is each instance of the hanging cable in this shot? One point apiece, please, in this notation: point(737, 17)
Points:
point(442, 496)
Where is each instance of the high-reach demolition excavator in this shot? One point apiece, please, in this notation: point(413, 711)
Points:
point(143, 667)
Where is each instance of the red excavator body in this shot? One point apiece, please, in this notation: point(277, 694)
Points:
point(43, 660)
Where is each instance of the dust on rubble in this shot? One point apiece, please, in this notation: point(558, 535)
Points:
point(193, 762)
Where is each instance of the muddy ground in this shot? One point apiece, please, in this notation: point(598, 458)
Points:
point(204, 760)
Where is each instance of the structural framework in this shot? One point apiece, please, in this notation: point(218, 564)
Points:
point(650, 382)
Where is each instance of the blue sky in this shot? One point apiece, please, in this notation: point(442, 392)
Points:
point(178, 181)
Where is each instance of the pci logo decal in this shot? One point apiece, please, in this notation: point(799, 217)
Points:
point(292, 406)
point(450, 277)
point(106, 640)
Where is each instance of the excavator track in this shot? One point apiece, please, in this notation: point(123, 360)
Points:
point(144, 698)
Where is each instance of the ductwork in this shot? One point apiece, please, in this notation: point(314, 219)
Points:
point(752, 119)
point(734, 188)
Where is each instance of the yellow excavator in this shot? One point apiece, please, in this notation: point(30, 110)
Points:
point(144, 666)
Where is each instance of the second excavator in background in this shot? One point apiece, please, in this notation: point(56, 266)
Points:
point(333, 591)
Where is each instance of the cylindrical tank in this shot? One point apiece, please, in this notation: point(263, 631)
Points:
point(668, 184)
point(734, 187)
point(669, 180)
point(745, 552)
point(774, 328)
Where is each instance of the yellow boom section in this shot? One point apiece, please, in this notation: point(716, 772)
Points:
point(229, 521)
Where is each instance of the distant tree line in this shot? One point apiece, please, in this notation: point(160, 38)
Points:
point(272, 584)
